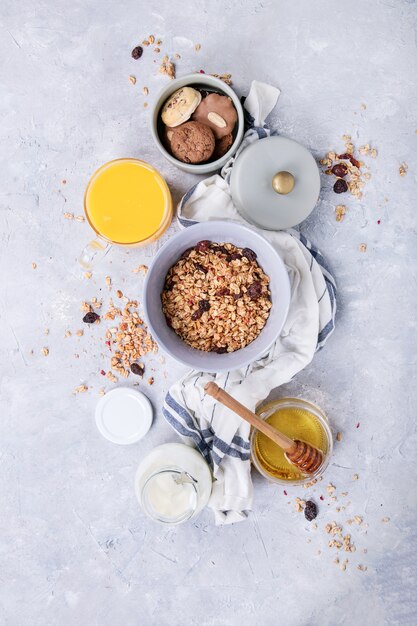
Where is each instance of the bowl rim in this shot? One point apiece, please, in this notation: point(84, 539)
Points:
point(249, 359)
point(184, 81)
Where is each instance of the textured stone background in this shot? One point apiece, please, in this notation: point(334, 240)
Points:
point(75, 548)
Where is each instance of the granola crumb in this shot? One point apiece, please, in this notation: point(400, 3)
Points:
point(88, 275)
point(69, 216)
point(132, 79)
point(340, 211)
point(385, 519)
point(79, 218)
point(108, 281)
point(157, 50)
point(362, 247)
point(46, 331)
point(403, 169)
point(362, 568)
point(45, 351)
point(339, 436)
point(151, 380)
point(299, 505)
point(145, 91)
point(111, 377)
point(178, 56)
point(355, 476)
point(167, 68)
point(374, 153)
point(102, 392)
point(363, 106)
point(145, 42)
point(197, 47)
point(158, 42)
point(358, 519)
point(330, 489)
point(34, 266)
point(151, 39)
point(79, 333)
point(81, 389)
point(140, 268)
point(145, 105)
point(119, 293)
point(68, 333)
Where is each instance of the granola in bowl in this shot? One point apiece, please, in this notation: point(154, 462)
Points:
point(216, 297)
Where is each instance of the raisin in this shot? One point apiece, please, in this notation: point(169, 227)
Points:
point(237, 296)
point(255, 291)
point(201, 268)
point(168, 321)
point(204, 305)
point(220, 249)
point(220, 350)
point(137, 52)
point(91, 317)
point(186, 253)
point(235, 256)
point(349, 157)
point(203, 246)
point(310, 511)
point(137, 369)
point(223, 292)
point(249, 254)
point(197, 314)
point(340, 170)
point(340, 186)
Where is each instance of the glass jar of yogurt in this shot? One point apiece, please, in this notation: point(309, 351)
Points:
point(173, 483)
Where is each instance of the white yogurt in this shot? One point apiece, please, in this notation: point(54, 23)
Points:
point(173, 483)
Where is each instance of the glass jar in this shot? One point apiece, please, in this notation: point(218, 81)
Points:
point(298, 419)
point(173, 483)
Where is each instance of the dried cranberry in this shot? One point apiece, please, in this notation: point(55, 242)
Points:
point(197, 314)
point(137, 52)
point(340, 186)
point(249, 254)
point(223, 292)
point(186, 253)
point(340, 170)
point(137, 369)
point(204, 305)
point(220, 350)
point(91, 317)
point(201, 268)
point(203, 246)
point(255, 291)
point(310, 511)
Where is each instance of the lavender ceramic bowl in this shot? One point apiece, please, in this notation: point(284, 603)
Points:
point(270, 261)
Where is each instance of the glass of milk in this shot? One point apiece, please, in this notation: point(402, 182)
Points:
point(173, 483)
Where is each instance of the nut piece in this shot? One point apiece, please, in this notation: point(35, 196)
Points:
point(217, 119)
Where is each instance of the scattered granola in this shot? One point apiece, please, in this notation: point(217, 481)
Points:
point(216, 297)
point(355, 476)
point(403, 169)
point(88, 275)
point(79, 333)
point(79, 218)
point(145, 91)
point(69, 216)
point(226, 78)
point(197, 47)
point(46, 331)
point(167, 67)
point(108, 281)
point(81, 389)
point(340, 212)
point(119, 293)
point(34, 266)
point(157, 50)
point(151, 380)
point(68, 333)
point(362, 247)
point(299, 505)
point(385, 519)
point(132, 79)
point(45, 351)
point(140, 268)
point(362, 568)
point(102, 392)
point(339, 437)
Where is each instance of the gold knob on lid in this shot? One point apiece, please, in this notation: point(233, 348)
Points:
point(283, 182)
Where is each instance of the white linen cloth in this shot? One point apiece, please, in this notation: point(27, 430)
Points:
point(221, 436)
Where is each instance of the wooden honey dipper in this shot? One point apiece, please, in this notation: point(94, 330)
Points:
point(302, 455)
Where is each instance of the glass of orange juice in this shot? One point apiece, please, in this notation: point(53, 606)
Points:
point(127, 202)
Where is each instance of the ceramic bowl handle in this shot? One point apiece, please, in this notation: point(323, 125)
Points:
point(93, 253)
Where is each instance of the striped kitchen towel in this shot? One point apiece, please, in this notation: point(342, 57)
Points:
point(220, 435)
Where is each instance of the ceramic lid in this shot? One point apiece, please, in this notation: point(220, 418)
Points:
point(275, 183)
point(123, 415)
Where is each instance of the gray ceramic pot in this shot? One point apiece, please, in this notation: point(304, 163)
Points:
point(202, 81)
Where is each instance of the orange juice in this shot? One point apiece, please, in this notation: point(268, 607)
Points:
point(128, 202)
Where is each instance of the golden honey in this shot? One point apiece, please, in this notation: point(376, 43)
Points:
point(297, 419)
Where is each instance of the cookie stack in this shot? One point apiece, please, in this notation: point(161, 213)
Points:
point(198, 126)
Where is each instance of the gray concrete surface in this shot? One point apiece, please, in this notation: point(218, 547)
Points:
point(75, 548)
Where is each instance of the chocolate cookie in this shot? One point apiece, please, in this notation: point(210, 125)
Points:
point(218, 113)
point(222, 146)
point(192, 142)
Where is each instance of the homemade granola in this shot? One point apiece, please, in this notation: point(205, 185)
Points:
point(216, 297)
